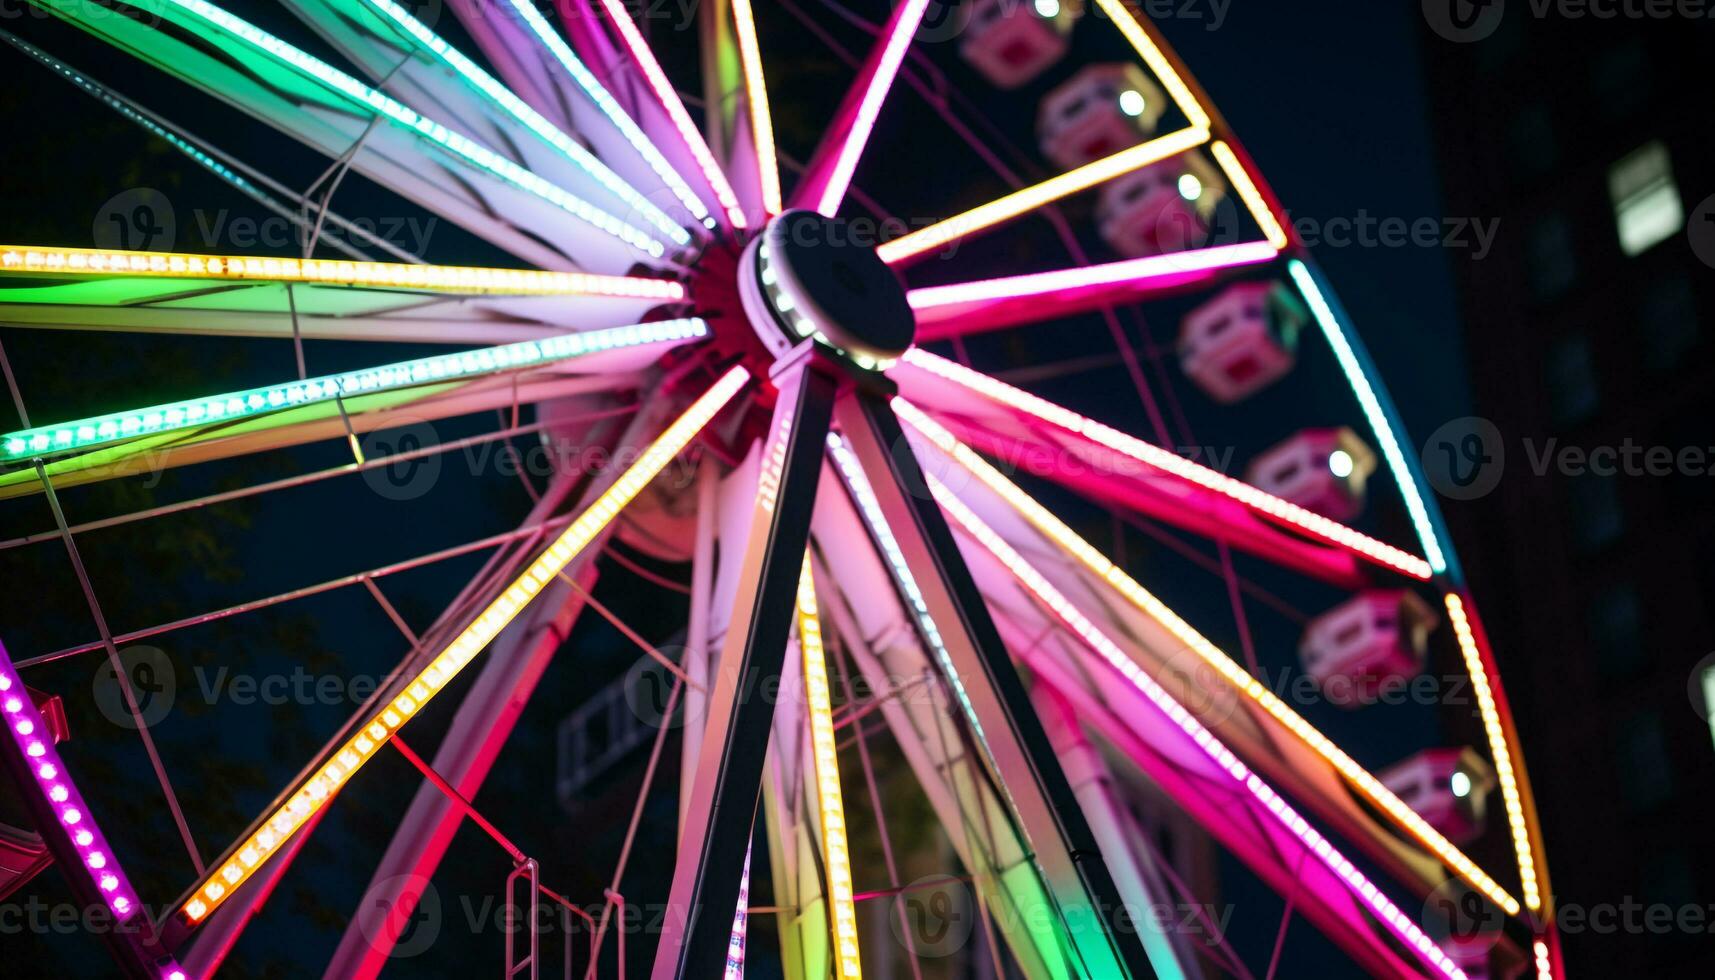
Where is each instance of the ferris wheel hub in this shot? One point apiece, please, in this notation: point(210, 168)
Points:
point(809, 276)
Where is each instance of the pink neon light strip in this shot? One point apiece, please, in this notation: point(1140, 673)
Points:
point(669, 99)
point(1397, 922)
point(1307, 521)
point(904, 26)
point(1140, 271)
point(35, 743)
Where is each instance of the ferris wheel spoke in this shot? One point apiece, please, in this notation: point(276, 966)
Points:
point(829, 174)
point(1158, 463)
point(962, 309)
point(1172, 633)
point(335, 767)
point(348, 120)
point(1064, 847)
point(1285, 824)
point(1022, 202)
point(765, 160)
point(312, 400)
point(440, 82)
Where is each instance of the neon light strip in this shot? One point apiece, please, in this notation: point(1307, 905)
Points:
point(740, 921)
point(756, 96)
point(467, 149)
point(851, 471)
point(520, 110)
point(1498, 750)
point(1384, 909)
point(1240, 178)
point(1130, 270)
point(903, 28)
point(1544, 961)
point(101, 429)
point(823, 746)
point(604, 101)
point(35, 260)
point(669, 99)
point(1373, 411)
point(313, 793)
point(35, 745)
point(1030, 198)
point(1310, 523)
point(1157, 61)
point(1235, 675)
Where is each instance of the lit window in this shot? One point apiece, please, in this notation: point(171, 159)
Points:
point(1571, 377)
point(1647, 209)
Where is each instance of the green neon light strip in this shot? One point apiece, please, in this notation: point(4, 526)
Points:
point(1379, 415)
point(466, 149)
point(528, 13)
point(488, 85)
point(101, 429)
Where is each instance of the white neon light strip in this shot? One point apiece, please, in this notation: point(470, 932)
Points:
point(756, 96)
point(1241, 180)
point(1234, 674)
point(1373, 411)
point(1111, 273)
point(1308, 521)
point(1157, 60)
point(904, 27)
point(315, 792)
point(1400, 924)
point(520, 110)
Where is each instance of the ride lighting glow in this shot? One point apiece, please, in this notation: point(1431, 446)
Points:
point(1139, 271)
point(1231, 671)
point(740, 920)
point(1377, 416)
point(1030, 198)
point(216, 409)
point(1241, 181)
point(901, 30)
point(1400, 924)
point(604, 101)
point(31, 260)
point(669, 99)
point(1307, 521)
point(756, 97)
point(34, 743)
point(488, 85)
point(314, 792)
point(824, 750)
point(1158, 62)
point(466, 149)
point(1511, 797)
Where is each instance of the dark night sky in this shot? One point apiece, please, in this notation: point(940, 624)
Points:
point(1327, 98)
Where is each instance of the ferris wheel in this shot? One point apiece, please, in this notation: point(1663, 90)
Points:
point(863, 499)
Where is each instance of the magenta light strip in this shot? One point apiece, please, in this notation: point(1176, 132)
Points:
point(1398, 922)
point(73, 821)
point(1132, 271)
point(900, 31)
point(675, 108)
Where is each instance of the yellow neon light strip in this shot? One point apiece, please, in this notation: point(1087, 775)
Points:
point(1030, 198)
point(30, 260)
point(823, 746)
point(1248, 192)
point(1236, 675)
point(761, 120)
point(1498, 750)
point(315, 792)
point(1157, 61)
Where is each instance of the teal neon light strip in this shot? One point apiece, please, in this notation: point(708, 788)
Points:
point(605, 102)
point(402, 115)
point(102, 429)
point(488, 85)
point(1380, 413)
